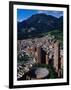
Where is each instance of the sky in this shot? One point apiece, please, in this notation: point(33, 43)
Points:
point(23, 14)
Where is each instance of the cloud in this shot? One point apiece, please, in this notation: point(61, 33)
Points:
point(41, 11)
point(50, 12)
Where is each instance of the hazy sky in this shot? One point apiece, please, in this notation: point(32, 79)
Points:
point(23, 14)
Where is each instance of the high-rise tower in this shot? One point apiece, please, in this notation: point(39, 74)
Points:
point(47, 60)
point(56, 56)
point(38, 54)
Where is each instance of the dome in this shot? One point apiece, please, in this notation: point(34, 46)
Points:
point(41, 72)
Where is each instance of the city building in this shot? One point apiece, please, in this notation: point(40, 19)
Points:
point(44, 51)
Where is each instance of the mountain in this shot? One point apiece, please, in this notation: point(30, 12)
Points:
point(37, 25)
point(60, 23)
